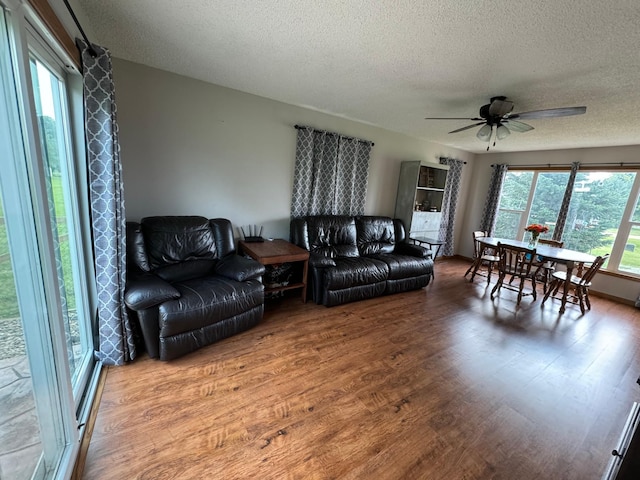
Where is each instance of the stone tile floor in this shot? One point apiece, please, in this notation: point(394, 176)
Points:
point(20, 446)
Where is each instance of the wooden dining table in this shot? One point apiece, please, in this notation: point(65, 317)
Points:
point(569, 258)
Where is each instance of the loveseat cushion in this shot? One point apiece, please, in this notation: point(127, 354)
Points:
point(413, 250)
point(355, 271)
point(405, 266)
point(204, 299)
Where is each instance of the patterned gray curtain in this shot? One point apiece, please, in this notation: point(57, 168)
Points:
point(351, 176)
point(331, 174)
point(449, 202)
point(490, 212)
point(107, 207)
point(566, 200)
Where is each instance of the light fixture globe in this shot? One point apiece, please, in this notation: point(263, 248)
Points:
point(484, 133)
point(502, 132)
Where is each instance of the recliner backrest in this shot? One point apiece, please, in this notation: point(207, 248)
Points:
point(375, 235)
point(178, 248)
point(171, 240)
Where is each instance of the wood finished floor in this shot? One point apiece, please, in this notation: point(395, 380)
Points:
point(440, 383)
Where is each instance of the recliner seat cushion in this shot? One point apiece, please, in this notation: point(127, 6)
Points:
point(203, 299)
point(353, 272)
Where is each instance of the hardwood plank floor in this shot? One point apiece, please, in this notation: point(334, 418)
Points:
point(439, 383)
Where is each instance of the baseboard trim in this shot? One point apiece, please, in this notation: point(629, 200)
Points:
point(613, 298)
point(87, 432)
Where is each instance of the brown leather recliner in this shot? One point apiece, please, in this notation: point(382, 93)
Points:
point(186, 284)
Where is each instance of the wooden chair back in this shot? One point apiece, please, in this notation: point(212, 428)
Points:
point(477, 248)
point(593, 269)
point(516, 261)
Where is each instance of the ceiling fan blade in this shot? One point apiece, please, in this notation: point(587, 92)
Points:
point(500, 107)
point(467, 127)
point(516, 126)
point(454, 118)
point(550, 113)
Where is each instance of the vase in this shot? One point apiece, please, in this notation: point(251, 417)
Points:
point(533, 239)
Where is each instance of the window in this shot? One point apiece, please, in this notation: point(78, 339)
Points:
point(603, 217)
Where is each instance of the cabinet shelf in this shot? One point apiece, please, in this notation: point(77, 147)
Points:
point(420, 195)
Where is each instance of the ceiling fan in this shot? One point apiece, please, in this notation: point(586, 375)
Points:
point(498, 114)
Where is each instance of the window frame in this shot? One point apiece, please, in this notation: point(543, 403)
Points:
point(39, 50)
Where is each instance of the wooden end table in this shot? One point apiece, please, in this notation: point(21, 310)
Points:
point(277, 251)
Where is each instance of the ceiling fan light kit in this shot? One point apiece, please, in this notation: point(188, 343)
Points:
point(502, 132)
point(498, 113)
point(484, 133)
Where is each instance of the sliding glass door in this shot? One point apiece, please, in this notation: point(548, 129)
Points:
point(46, 346)
point(49, 92)
point(19, 427)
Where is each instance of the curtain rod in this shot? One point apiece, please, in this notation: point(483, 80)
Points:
point(449, 158)
point(301, 127)
point(92, 51)
point(582, 165)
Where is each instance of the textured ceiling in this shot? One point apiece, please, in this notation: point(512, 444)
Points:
point(392, 63)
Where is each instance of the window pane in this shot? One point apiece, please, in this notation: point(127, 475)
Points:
point(49, 108)
point(547, 199)
point(636, 212)
point(507, 225)
point(596, 209)
point(631, 256)
point(515, 190)
point(513, 203)
point(20, 446)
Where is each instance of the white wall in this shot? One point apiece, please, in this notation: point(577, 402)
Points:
point(193, 148)
point(481, 173)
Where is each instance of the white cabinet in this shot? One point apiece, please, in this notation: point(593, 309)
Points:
point(419, 199)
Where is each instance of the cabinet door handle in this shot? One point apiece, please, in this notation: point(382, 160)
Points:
point(615, 453)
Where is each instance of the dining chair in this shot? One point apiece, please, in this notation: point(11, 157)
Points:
point(545, 268)
point(579, 284)
point(516, 262)
point(482, 255)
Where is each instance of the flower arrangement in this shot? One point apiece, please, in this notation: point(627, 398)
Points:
point(536, 229)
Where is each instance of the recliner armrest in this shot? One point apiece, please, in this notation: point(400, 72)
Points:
point(148, 290)
point(239, 268)
point(405, 248)
point(317, 260)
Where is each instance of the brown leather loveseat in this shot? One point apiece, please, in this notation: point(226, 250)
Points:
point(354, 258)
